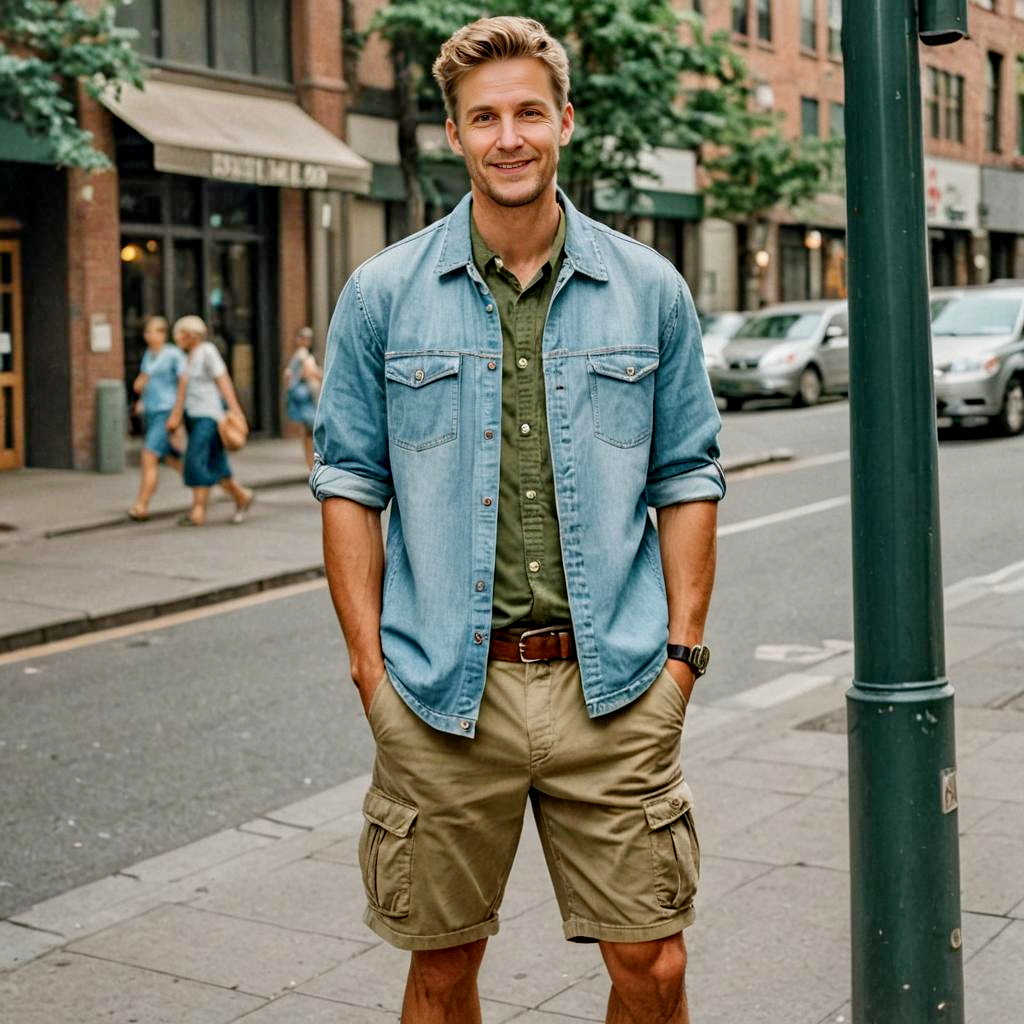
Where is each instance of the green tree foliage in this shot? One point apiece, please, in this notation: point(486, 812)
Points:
point(643, 75)
point(46, 47)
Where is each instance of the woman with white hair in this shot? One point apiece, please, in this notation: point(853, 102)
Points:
point(204, 392)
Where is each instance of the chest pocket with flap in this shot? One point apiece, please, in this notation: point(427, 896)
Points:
point(423, 399)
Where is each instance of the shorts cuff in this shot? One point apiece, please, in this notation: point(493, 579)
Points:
point(578, 929)
point(446, 940)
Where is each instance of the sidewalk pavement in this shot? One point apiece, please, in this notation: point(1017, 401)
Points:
point(72, 562)
point(263, 922)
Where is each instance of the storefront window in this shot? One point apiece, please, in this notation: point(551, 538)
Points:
point(142, 272)
point(233, 206)
point(140, 204)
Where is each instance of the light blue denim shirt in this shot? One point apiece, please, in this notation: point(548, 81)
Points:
point(410, 413)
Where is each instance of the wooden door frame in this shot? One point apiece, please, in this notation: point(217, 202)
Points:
point(15, 458)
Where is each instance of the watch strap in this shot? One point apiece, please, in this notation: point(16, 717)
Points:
point(696, 657)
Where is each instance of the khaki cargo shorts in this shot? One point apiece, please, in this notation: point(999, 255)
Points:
point(444, 814)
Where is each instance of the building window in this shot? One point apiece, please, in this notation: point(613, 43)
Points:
point(835, 28)
point(993, 97)
point(809, 24)
point(944, 104)
point(764, 19)
point(808, 116)
point(837, 120)
point(239, 37)
point(739, 16)
point(1020, 104)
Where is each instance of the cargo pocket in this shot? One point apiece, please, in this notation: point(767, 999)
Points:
point(675, 851)
point(385, 853)
point(423, 399)
point(622, 396)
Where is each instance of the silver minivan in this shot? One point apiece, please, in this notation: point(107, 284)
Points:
point(978, 355)
point(796, 350)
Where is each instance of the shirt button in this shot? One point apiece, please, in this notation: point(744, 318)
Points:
point(488, 502)
point(630, 371)
point(675, 803)
point(525, 428)
point(478, 638)
point(534, 567)
point(492, 365)
point(480, 585)
point(418, 375)
point(488, 434)
point(489, 307)
point(531, 494)
point(499, 262)
point(523, 363)
point(463, 724)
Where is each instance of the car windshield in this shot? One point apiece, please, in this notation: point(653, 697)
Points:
point(976, 315)
point(720, 323)
point(784, 326)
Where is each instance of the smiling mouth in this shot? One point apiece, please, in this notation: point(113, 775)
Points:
point(510, 166)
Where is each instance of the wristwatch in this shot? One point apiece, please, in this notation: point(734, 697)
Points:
point(696, 657)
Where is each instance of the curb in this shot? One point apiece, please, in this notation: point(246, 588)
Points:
point(758, 459)
point(87, 624)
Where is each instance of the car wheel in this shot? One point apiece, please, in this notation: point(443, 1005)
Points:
point(808, 390)
point(1010, 420)
point(734, 404)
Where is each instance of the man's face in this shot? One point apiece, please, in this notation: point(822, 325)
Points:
point(509, 129)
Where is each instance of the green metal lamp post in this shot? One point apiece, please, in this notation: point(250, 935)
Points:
point(904, 857)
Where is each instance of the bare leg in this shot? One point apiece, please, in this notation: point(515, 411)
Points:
point(148, 477)
point(307, 447)
point(174, 462)
point(200, 499)
point(441, 987)
point(647, 981)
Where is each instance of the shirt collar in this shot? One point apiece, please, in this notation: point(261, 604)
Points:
point(484, 256)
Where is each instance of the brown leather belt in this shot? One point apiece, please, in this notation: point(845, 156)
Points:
point(550, 643)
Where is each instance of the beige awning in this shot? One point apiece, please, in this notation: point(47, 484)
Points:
point(234, 137)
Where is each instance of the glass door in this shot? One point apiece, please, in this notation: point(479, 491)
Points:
point(12, 410)
point(232, 303)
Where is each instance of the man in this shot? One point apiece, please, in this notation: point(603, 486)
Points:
point(521, 383)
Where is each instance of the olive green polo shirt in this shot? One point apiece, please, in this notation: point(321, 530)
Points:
point(529, 582)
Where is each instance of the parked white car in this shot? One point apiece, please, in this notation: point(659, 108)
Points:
point(797, 350)
point(717, 330)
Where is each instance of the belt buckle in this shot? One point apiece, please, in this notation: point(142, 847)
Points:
point(542, 631)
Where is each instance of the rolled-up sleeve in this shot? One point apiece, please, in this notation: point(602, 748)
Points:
point(350, 431)
point(684, 462)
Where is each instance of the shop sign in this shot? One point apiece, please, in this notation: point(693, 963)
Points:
point(952, 193)
point(260, 170)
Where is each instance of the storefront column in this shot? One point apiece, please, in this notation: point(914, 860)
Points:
point(95, 343)
point(294, 277)
point(980, 267)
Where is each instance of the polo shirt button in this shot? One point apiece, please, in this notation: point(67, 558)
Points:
point(523, 363)
point(534, 567)
point(525, 428)
point(478, 638)
point(489, 307)
point(488, 434)
point(463, 724)
point(531, 494)
point(492, 365)
point(488, 502)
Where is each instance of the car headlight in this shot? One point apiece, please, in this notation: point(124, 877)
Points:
point(987, 363)
point(778, 357)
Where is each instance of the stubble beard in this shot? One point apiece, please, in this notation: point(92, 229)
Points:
point(480, 180)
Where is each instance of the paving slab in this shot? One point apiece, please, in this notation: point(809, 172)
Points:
point(64, 988)
point(776, 777)
point(1002, 819)
point(813, 831)
point(253, 957)
point(814, 749)
point(721, 810)
point(766, 953)
point(841, 1015)
point(307, 895)
point(720, 876)
point(994, 979)
point(979, 930)
point(991, 878)
point(300, 1009)
point(187, 860)
point(985, 777)
point(19, 945)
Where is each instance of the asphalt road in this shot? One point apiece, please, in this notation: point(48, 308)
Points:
point(120, 750)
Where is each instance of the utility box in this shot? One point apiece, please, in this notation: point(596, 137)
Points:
point(111, 426)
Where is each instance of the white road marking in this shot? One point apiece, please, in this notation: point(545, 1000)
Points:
point(781, 517)
point(1001, 581)
point(776, 691)
point(801, 654)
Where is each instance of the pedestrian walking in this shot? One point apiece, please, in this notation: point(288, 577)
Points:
point(302, 377)
point(523, 383)
point(157, 387)
point(205, 394)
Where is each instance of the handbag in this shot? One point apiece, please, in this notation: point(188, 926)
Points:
point(234, 431)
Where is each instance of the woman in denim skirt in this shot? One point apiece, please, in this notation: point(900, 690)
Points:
point(204, 392)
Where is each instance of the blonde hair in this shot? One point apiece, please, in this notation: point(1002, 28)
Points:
point(503, 38)
point(191, 324)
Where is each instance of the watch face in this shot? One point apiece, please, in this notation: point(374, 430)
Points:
point(699, 658)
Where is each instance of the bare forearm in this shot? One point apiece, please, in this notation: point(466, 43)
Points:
point(227, 392)
point(687, 535)
point(354, 562)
